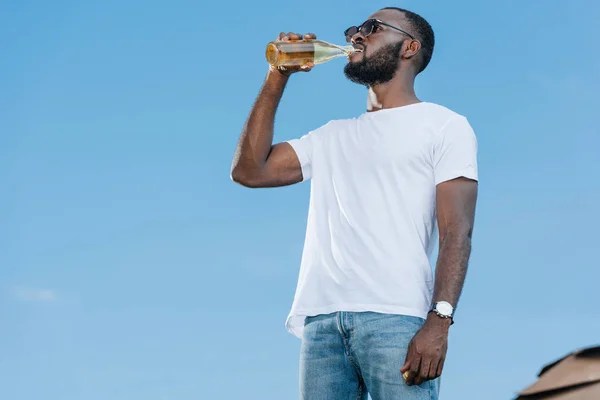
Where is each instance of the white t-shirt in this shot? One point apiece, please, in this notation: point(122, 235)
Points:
point(372, 219)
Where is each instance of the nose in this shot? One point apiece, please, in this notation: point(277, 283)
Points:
point(358, 37)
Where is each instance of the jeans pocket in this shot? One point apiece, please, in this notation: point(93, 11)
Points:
point(434, 389)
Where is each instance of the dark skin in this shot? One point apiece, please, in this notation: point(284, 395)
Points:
point(455, 202)
point(259, 163)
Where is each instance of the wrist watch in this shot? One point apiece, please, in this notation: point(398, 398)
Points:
point(443, 309)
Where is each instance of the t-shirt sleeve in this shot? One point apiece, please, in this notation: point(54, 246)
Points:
point(304, 148)
point(455, 151)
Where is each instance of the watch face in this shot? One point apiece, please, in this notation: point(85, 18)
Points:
point(444, 308)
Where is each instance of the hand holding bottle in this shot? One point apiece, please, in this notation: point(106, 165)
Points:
point(292, 52)
point(287, 70)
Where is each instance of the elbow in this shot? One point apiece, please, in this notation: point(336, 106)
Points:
point(238, 177)
point(244, 178)
point(459, 233)
point(463, 232)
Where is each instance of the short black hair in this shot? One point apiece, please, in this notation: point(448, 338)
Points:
point(423, 32)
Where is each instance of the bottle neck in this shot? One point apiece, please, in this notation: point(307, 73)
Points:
point(347, 49)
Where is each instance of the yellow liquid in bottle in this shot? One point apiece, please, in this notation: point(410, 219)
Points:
point(298, 53)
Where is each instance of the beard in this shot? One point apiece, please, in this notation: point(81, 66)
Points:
point(380, 67)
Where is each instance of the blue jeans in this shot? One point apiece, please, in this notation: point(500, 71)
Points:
point(345, 355)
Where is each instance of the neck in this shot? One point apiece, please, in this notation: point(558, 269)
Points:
point(398, 92)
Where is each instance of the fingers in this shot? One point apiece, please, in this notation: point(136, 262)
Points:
point(410, 370)
point(409, 377)
point(423, 373)
point(290, 36)
point(440, 367)
point(414, 371)
point(430, 368)
point(295, 36)
point(307, 67)
point(290, 70)
point(283, 36)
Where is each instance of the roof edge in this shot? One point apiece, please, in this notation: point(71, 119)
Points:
point(582, 352)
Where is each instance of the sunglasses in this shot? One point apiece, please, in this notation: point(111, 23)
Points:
point(368, 27)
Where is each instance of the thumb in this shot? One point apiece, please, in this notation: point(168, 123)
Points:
point(307, 67)
point(406, 366)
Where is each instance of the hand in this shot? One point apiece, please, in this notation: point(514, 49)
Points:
point(287, 71)
point(427, 351)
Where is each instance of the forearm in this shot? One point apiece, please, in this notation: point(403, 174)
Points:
point(451, 268)
point(257, 136)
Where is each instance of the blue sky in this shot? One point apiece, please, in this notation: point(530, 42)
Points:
point(131, 267)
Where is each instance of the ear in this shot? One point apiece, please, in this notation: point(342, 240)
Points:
point(410, 49)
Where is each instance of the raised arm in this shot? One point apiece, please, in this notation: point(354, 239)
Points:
point(257, 162)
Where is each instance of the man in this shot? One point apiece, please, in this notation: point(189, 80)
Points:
point(367, 310)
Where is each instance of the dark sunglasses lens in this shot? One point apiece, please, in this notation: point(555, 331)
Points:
point(350, 32)
point(367, 28)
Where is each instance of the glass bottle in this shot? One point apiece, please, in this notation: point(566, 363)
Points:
point(299, 52)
